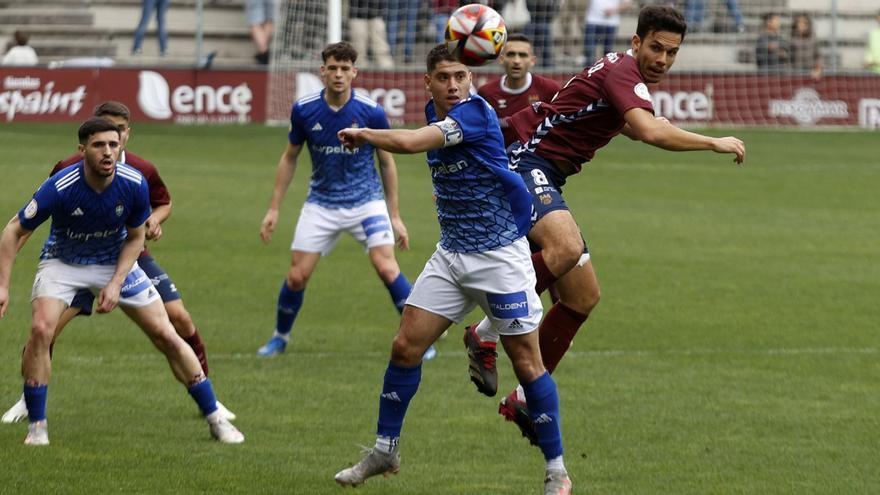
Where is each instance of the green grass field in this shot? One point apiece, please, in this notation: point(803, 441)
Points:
point(735, 350)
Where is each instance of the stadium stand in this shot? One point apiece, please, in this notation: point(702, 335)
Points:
point(64, 29)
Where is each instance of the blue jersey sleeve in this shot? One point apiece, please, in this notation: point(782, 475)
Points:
point(472, 118)
point(40, 206)
point(140, 208)
point(378, 119)
point(296, 134)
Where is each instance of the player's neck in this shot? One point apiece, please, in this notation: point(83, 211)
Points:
point(97, 182)
point(337, 100)
point(512, 84)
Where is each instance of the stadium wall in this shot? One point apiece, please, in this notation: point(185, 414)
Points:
point(188, 96)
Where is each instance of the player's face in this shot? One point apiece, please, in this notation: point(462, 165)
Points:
point(100, 152)
point(338, 75)
point(656, 53)
point(448, 83)
point(517, 59)
point(123, 127)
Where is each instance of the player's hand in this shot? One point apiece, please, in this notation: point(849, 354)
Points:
point(730, 144)
point(4, 300)
point(109, 297)
point(351, 138)
point(268, 225)
point(400, 232)
point(153, 229)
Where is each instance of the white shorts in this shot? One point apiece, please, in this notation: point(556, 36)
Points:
point(501, 282)
point(318, 228)
point(60, 280)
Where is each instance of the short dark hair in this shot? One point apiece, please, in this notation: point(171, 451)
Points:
point(93, 126)
point(519, 37)
point(342, 51)
point(654, 18)
point(21, 37)
point(112, 108)
point(766, 16)
point(439, 53)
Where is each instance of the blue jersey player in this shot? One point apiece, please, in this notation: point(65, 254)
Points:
point(98, 208)
point(482, 259)
point(344, 192)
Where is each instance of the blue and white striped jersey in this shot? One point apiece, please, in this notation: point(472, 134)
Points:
point(341, 178)
point(88, 227)
point(481, 204)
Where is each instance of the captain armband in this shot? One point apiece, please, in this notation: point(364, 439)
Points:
point(452, 133)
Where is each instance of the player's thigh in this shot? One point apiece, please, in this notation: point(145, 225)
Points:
point(558, 230)
point(502, 282)
point(437, 290)
point(370, 225)
point(159, 278)
point(303, 264)
point(579, 287)
point(317, 230)
point(151, 318)
point(419, 328)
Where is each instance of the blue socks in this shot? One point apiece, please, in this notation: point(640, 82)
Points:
point(289, 302)
point(35, 399)
point(400, 386)
point(203, 394)
point(543, 401)
point(399, 290)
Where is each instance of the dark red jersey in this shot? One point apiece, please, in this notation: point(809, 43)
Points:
point(507, 102)
point(159, 194)
point(586, 113)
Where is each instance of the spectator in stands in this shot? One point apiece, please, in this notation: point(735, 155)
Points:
point(571, 33)
point(695, 11)
point(366, 30)
point(20, 53)
point(442, 9)
point(872, 51)
point(402, 15)
point(805, 54)
point(772, 53)
point(260, 16)
point(147, 8)
point(602, 21)
point(538, 30)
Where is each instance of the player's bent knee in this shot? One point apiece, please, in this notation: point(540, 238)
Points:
point(182, 322)
point(404, 353)
point(42, 331)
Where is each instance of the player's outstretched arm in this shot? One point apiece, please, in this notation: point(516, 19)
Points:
point(388, 171)
point(645, 127)
point(131, 249)
point(11, 240)
point(283, 178)
point(407, 141)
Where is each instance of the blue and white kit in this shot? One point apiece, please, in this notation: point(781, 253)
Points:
point(87, 233)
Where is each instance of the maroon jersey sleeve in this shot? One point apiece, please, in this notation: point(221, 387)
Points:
point(159, 194)
point(70, 160)
point(625, 89)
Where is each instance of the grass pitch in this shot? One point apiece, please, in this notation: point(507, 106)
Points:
point(735, 349)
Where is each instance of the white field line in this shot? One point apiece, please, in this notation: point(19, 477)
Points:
point(608, 353)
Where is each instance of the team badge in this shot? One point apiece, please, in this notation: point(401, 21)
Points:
point(545, 199)
point(30, 211)
point(119, 210)
point(533, 99)
point(642, 91)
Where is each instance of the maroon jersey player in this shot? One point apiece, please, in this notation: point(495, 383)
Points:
point(518, 88)
point(160, 203)
point(556, 138)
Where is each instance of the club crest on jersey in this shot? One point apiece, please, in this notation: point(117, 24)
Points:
point(119, 210)
point(533, 99)
point(30, 211)
point(642, 91)
point(545, 199)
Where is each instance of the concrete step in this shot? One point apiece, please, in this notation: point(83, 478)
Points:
point(17, 16)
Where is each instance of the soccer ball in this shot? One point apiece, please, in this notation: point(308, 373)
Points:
point(475, 34)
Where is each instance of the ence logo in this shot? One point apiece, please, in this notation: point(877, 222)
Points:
point(192, 104)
